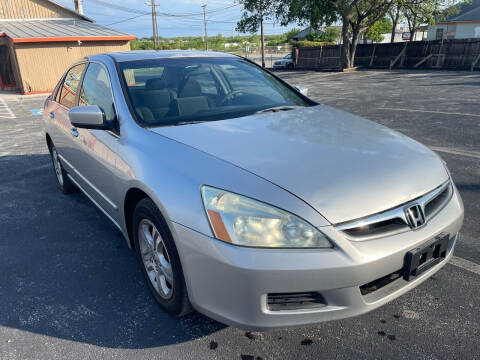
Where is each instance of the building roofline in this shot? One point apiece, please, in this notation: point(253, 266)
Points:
point(59, 31)
point(72, 38)
point(465, 14)
point(70, 10)
point(40, 19)
point(458, 22)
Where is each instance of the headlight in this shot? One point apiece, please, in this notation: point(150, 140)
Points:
point(243, 221)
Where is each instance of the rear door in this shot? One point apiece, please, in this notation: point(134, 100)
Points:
point(95, 150)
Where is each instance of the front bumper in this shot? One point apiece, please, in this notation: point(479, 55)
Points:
point(230, 284)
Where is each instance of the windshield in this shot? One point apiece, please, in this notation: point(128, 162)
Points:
point(178, 91)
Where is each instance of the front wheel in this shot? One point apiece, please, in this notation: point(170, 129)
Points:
point(159, 259)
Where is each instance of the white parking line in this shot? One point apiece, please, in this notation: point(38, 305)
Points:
point(472, 154)
point(5, 111)
point(465, 265)
point(429, 111)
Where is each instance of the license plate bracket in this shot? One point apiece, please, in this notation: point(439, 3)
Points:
point(419, 260)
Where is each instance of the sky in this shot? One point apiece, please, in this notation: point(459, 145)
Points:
point(222, 16)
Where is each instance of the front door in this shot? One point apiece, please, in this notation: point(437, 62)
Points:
point(95, 150)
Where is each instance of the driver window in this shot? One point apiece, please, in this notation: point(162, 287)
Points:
point(96, 90)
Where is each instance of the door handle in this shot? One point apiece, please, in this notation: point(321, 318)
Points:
point(74, 132)
point(52, 115)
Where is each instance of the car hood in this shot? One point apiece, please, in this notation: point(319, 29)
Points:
point(344, 166)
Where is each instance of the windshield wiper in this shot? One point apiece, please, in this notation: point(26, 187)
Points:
point(188, 122)
point(277, 109)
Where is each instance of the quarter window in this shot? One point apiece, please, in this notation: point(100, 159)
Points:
point(96, 90)
point(69, 88)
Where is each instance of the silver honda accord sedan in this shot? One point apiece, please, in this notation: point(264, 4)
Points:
point(243, 198)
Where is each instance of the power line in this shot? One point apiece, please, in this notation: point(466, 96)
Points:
point(118, 7)
point(125, 20)
point(136, 11)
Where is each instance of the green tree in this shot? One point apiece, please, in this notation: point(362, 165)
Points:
point(419, 12)
point(289, 35)
point(306, 12)
point(313, 36)
point(331, 34)
point(357, 16)
point(376, 31)
point(395, 14)
point(253, 17)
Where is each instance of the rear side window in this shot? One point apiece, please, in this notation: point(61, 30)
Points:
point(69, 88)
point(96, 90)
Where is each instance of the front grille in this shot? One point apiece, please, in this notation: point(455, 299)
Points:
point(394, 221)
point(378, 228)
point(437, 203)
point(295, 301)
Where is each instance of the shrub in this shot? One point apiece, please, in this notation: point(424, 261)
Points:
point(307, 43)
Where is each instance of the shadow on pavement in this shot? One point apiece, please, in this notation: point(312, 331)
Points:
point(468, 186)
point(68, 273)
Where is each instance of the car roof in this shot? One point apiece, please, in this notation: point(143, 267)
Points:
point(159, 54)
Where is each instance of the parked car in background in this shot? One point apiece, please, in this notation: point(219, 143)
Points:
point(243, 198)
point(284, 63)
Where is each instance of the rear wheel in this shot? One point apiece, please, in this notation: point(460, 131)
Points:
point(159, 259)
point(64, 183)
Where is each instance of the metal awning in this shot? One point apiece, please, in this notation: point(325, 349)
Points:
point(51, 30)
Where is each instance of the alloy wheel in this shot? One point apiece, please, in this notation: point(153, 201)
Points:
point(155, 258)
point(57, 166)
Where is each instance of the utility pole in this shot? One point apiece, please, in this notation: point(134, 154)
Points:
point(205, 23)
point(154, 25)
point(262, 32)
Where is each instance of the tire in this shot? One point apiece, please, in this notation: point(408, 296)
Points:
point(290, 66)
point(159, 259)
point(64, 183)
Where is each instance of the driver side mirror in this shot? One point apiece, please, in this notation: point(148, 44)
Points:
point(302, 90)
point(88, 117)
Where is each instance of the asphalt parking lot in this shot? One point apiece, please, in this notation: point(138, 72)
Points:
point(70, 287)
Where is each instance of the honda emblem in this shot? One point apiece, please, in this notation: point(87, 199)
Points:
point(415, 216)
